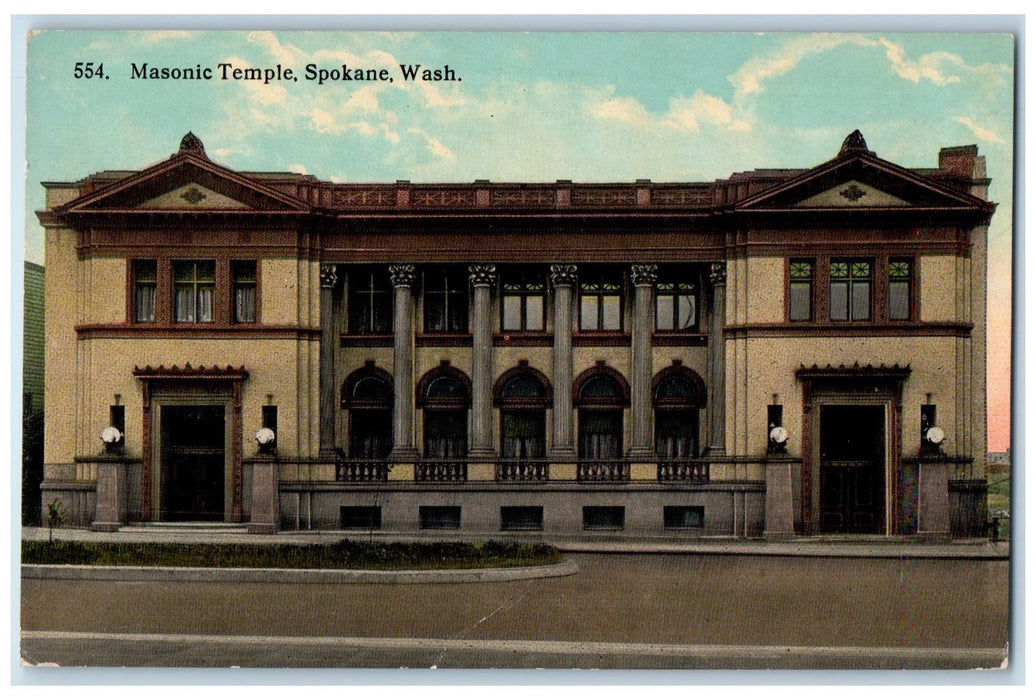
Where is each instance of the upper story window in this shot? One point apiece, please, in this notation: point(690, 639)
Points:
point(370, 302)
point(800, 290)
point(900, 278)
point(676, 306)
point(600, 303)
point(145, 281)
point(194, 285)
point(851, 283)
point(446, 301)
point(244, 272)
point(523, 303)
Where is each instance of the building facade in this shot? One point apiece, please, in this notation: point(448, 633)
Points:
point(781, 353)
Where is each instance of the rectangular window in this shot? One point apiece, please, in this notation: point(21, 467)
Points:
point(370, 302)
point(683, 517)
point(440, 517)
point(600, 304)
point(521, 517)
point(800, 290)
point(194, 284)
point(851, 290)
point(244, 291)
point(676, 307)
point(361, 517)
point(446, 302)
point(523, 304)
point(899, 289)
point(145, 279)
point(604, 517)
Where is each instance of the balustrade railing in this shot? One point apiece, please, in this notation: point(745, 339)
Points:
point(603, 470)
point(361, 470)
point(441, 470)
point(694, 470)
point(522, 470)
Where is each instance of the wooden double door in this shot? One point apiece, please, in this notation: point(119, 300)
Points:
point(193, 462)
point(852, 469)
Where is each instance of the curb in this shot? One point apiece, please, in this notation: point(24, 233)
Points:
point(867, 551)
point(70, 572)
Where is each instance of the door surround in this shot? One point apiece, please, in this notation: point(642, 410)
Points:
point(855, 385)
point(190, 386)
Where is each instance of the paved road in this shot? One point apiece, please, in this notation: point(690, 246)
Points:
point(901, 610)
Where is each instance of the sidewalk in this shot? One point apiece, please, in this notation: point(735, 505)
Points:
point(824, 546)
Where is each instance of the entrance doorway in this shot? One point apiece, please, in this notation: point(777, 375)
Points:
point(852, 469)
point(193, 462)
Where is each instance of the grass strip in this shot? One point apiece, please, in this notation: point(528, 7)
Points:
point(345, 554)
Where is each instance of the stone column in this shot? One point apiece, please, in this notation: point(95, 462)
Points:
point(717, 397)
point(265, 512)
point(779, 512)
point(328, 280)
point(483, 277)
point(644, 278)
point(563, 277)
point(403, 277)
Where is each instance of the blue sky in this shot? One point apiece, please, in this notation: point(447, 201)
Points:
point(535, 107)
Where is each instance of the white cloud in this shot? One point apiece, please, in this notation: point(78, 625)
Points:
point(701, 108)
point(936, 67)
point(297, 168)
point(165, 35)
point(434, 145)
point(623, 109)
point(749, 78)
point(980, 132)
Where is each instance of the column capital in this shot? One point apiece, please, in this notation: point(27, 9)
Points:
point(563, 275)
point(718, 273)
point(646, 274)
point(402, 275)
point(328, 275)
point(482, 275)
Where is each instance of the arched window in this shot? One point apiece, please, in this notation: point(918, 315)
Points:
point(445, 395)
point(678, 395)
point(367, 394)
point(523, 395)
point(601, 396)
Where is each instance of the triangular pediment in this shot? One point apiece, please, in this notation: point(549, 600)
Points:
point(188, 181)
point(859, 180)
point(853, 193)
point(192, 196)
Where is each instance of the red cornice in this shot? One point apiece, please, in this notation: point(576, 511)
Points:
point(214, 373)
point(200, 331)
point(848, 330)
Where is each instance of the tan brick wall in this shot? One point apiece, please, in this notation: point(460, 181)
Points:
point(939, 287)
point(60, 318)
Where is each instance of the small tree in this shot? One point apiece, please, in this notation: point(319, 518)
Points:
point(55, 517)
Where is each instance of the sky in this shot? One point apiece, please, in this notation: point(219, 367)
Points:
point(535, 107)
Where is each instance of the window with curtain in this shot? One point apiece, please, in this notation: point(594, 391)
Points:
point(600, 434)
point(676, 306)
point(194, 284)
point(370, 302)
point(445, 433)
point(522, 435)
point(600, 303)
point(800, 290)
point(899, 289)
point(145, 280)
point(446, 301)
point(244, 290)
point(851, 282)
point(522, 302)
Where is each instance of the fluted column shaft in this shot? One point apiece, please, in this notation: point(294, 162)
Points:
point(643, 277)
point(328, 280)
point(403, 277)
point(563, 278)
point(717, 396)
point(483, 277)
